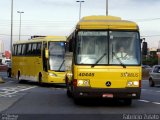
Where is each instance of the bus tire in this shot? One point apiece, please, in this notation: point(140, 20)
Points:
point(77, 101)
point(18, 76)
point(128, 102)
point(40, 79)
point(151, 82)
point(69, 94)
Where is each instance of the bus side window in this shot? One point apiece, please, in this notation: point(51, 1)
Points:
point(19, 49)
point(45, 62)
point(38, 49)
point(34, 45)
point(15, 50)
point(24, 49)
point(29, 49)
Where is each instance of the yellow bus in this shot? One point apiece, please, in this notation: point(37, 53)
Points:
point(106, 60)
point(40, 59)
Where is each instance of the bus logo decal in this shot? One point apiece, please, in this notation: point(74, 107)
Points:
point(108, 83)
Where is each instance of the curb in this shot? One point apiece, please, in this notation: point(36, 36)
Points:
point(1, 80)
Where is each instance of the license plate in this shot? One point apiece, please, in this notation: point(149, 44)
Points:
point(107, 95)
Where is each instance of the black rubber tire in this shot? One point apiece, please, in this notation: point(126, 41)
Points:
point(40, 80)
point(77, 101)
point(18, 76)
point(69, 94)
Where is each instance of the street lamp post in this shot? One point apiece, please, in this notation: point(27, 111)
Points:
point(20, 12)
point(106, 7)
point(80, 1)
point(11, 25)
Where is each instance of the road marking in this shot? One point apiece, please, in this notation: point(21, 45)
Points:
point(11, 91)
point(10, 81)
point(146, 101)
point(143, 89)
point(150, 90)
point(59, 88)
point(156, 103)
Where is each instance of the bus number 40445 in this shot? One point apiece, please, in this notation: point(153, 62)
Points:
point(86, 74)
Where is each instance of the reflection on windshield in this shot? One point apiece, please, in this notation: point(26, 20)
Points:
point(126, 46)
point(56, 56)
point(91, 46)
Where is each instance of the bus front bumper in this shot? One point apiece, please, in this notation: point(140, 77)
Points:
point(117, 93)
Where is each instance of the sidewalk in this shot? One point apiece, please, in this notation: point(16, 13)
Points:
point(2, 75)
point(1, 80)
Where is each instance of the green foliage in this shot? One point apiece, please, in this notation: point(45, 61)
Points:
point(150, 61)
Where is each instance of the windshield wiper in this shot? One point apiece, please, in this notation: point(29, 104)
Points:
point(119, 60)
point(61, 65)
point(99, 59)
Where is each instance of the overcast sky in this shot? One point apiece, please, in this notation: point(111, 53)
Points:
point(58, 17)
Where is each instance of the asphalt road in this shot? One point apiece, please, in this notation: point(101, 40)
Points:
point(28, 101)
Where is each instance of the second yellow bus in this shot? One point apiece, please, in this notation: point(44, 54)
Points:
point(40, 59)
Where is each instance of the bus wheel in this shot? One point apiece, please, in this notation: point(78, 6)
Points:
point(18, 77)
point(77, 101)
point(69, 94)
point(127, 102)
point(151, 82)
point(40, 80)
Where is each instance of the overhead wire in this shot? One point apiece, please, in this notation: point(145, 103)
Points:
point(60, 24)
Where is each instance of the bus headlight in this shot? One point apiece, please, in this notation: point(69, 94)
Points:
point(83, 83)
point(52, 74)
point(133, 83)
point(129, 83)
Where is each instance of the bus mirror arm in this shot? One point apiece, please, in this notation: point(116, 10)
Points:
point(144, 48)
point(46, 54)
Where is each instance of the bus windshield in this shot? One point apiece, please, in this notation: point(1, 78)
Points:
point(56, 56)
point(108, 47)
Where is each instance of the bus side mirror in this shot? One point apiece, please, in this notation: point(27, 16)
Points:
point(144, 48)
point(46, 54)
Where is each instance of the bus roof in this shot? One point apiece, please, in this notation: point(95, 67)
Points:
point(46, 38)
point(106, 22)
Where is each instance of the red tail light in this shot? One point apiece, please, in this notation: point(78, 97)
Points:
point(75, 82)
